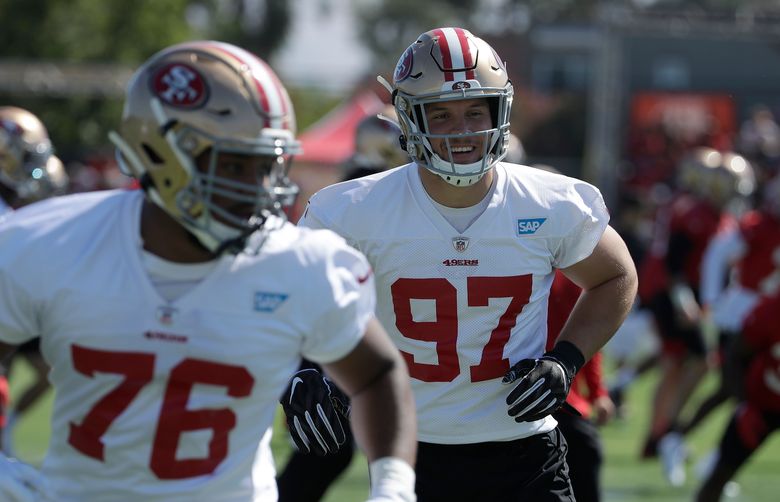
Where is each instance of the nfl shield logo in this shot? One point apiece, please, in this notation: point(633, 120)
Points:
point(165, 314)
point(460, 243)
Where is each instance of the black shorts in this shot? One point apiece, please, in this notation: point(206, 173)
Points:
point(528, 469)
point(585, 455)
point(30, 346)
point(670, 330)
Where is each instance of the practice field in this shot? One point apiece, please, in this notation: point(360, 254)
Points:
point(625, 477)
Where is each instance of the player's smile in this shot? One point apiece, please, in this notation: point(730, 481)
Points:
point(459, 118)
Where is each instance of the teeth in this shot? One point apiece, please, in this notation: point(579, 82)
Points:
point(462, 149)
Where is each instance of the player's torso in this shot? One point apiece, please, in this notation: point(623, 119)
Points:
point(160, 400)
point(698, 221)
point(461, 306)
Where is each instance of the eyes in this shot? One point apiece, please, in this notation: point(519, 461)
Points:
point(245, 166)
point(471, 113)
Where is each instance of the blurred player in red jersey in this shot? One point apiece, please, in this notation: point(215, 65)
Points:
point(669, 283)
point(754, 375)
point(738, 267)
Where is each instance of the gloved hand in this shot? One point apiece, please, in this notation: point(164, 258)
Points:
point(543, 383)
point(20, 482)
point(317, 412)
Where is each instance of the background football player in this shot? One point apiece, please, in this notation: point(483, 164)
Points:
point(29, 171)
point(754, 378)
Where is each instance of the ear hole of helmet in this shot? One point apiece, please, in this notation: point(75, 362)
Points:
point(493, 105)
point(419, 117)
point(151, 154)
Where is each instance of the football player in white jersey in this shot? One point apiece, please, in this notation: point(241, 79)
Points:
point(29, 171)
point(464, 248)
point(173, 316)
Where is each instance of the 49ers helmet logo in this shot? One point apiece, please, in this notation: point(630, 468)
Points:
point(404, 66)
point(179, 85)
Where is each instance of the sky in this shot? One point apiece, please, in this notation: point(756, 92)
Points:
point(322, 47)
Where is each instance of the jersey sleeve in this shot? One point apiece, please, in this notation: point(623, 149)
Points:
point(722, 251)
point(346, 302)
point(587, 217)
point(18, 313)
point(314, 216)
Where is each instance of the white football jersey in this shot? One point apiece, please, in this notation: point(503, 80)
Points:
point(164, 401)
point(464, 307)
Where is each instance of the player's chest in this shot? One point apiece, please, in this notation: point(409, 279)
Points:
point(206, 327)
point(457, 258)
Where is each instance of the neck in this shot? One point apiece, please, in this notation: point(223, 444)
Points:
point(165, 237)
point(452, 196)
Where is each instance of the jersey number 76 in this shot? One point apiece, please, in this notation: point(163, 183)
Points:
point(137, 368)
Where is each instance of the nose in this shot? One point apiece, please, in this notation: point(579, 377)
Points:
point(459, 124)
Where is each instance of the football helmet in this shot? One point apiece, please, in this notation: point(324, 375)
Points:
point(207, 98)
point(694, 169)
point(26, 162)
point(377, 143)
point(732, 178)
point(447, 64)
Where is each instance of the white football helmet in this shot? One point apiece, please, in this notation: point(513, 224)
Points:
point(731, 179)
point(446, 64)
point(27, 166)
point(206, 98)
point(694, 169)
point(377, 145)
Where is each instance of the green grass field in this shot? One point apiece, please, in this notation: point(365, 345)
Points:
point(625, 477)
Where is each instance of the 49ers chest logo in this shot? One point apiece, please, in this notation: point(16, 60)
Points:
point(179, 85)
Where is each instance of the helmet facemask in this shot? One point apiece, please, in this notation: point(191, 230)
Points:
point(419, 142)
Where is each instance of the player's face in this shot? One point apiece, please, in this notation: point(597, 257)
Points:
point(459, 117)
point(251, 171)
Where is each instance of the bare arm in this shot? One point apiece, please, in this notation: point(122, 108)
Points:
point(609, 283)
point(383, 415)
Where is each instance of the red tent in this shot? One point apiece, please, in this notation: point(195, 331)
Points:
point(331, 140)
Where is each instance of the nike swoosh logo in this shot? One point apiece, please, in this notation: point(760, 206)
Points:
point(295, 382)
point(364, 278)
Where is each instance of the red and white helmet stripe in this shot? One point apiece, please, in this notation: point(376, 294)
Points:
point(273, 98)
point(456, 54)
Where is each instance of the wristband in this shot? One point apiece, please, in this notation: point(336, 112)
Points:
point(568, 355)
point(392, 478)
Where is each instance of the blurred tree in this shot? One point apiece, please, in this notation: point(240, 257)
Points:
point(119, 32)
point(388, 26)
point(257, 25)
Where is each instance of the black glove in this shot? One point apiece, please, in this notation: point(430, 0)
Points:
point(543, 383)
point(317, 412)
